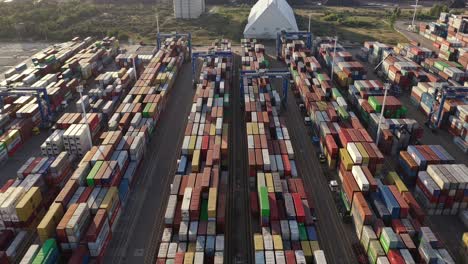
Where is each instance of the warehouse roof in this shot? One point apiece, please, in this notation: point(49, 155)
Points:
point(268, 17)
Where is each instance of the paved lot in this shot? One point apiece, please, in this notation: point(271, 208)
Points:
point(140, 227)
point(402, 27)
point(12, 54)
point(239, 231)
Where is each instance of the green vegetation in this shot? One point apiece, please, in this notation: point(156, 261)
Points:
point(45, 20)
point(353, 24)
point(63, 21)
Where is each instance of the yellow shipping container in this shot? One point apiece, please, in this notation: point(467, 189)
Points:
point(255, 128)
point(213, 129)
point(46, 228)
point(111, 200)
point(305, 245)
point(212, 201)
point(365, 156)
point(258, 242)
point(218, 140)
point(269, 182)
point(277, 242)
point(249, 128)
point(192, 142)
point(394, 178)
point(28, 204)
point(192, 247)
point(346, 159)
point(314, 245)
point(188, 258)
point(196, 160)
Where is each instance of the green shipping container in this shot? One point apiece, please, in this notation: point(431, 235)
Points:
point(263, 198)
point(204, 210)
point(146, 110)
point(92, 173)
point(302, 232)
point(345, 201)
point(343, 113)
point(336, 93)
point(385, 244)
point(374, 103)
point(48, 253)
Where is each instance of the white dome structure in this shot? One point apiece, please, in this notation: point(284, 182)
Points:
point(268, 17)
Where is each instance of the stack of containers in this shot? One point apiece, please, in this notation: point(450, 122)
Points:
point(402, 71)
point(287, 231)
point(440, 189)
point(194, 220)
point(272, 168)
point(439, 184)
point(413, 52)
point(220, 45)
point(86, 210)
point(454, 113)
point(345, 69)
point(447, 70)
point(253, 55)
point(389, 221)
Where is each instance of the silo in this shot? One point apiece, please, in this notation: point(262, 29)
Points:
point(188, 9)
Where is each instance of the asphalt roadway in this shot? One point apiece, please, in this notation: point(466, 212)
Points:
point(238, 236)
point(140, 227)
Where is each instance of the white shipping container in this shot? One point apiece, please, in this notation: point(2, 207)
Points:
point(167, 235)
point(183, 231)
point(354, 153)
point(186, 204)
point(30, 254)
point(360, 178)
point(300, 258)
point(319, 257)
point(170, 210)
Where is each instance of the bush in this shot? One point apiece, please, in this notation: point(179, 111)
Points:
point(332, 17)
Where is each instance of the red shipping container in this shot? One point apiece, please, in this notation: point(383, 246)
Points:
point(179, 258)
point(332, 148)
point(300, 187)
point(66, 193)
point(96, 225)
point(254, 203)
point(273, 207)
point(397, 226)
point(290, 257)
point(60, 230)
point(395, 257)
point(300, 214)
point(286, 165)
point(7, 185)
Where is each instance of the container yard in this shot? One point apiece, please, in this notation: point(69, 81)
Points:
point(307, 153)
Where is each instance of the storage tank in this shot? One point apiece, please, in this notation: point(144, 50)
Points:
point(188, 9)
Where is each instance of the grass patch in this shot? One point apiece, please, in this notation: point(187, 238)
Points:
point(27, 20)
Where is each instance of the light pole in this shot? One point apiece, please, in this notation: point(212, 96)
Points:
point(309, 21)
point(414, 14)
point(386, 88)
point(135, 68)
point(333, 58)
